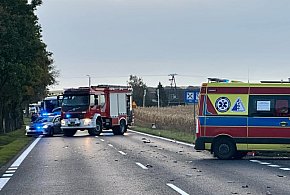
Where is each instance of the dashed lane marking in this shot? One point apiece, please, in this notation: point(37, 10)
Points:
point(110, 145)
point(276, 166)
point(10, 171)
point(7, 175)
point(102, 140)
point(264, 163)
point(270, 165)
point(285, 169)
point(177, 189)
point(140, 165)
point(123, 153)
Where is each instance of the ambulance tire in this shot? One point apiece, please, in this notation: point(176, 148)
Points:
point(224, 148)
point(96, 131)
point(69, 132)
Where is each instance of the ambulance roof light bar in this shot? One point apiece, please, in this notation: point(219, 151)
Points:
point(217, 80)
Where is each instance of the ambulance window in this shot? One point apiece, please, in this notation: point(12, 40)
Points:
point(282, 107)
point(269, 106)
point(262, 106)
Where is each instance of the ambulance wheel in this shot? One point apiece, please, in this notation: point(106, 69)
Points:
point(224, 148)
point(97, 130)
point(69, 132)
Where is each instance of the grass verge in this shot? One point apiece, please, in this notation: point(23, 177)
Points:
point(11, 144)
point(171, 134)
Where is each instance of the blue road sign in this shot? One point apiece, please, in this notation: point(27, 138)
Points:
point(191, 97)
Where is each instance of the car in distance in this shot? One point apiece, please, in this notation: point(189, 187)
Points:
point(48, 126)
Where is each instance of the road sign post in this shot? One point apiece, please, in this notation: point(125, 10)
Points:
point(191, 97)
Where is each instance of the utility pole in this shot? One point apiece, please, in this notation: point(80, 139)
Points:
point(172, 94)
point(158, 99)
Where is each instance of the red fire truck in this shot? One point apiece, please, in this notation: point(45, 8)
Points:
point(96, 108)
point(236, 117)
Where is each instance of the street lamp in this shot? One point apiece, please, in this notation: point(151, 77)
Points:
point(144, 97)
point(89, 80)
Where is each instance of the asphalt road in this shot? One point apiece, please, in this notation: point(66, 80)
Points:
point(138, 164)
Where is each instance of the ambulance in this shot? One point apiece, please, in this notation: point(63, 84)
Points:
point(235, 118)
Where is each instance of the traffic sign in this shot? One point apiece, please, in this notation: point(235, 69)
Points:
point(191, 97)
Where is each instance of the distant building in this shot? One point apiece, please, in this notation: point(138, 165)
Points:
point(54, 92)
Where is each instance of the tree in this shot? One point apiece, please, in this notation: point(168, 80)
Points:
point(162, 95)
point(26, 68)
point(138, 89)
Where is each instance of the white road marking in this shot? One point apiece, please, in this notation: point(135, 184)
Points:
point(107, 134)
point(17, 163)
point(162, 138)
point(140, 165)
point(255, 161)
point(110, 145)
point(7, 175)
point(102, 140)
point(264, 163)
point(270, 165)
point(3, 182)
point(13, 171)
point(123, 153)
point(273, 165)
point(25, 153)
point(285, 169)
point(180, 191)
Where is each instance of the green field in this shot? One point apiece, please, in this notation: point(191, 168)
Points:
point(11, 144)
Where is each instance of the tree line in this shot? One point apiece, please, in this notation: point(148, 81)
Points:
point(26, 67)
point(140, 90)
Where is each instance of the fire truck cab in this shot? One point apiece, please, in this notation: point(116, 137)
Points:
point(235, 118)
point(96, 108)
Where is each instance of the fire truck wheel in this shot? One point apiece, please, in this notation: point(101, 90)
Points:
point(224, 148)
point(69, 132)
point(97, 130)
point(121, 129)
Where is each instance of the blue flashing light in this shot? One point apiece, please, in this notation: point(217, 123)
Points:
point(67, 115)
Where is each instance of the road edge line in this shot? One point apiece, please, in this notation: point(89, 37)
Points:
point(162, 138)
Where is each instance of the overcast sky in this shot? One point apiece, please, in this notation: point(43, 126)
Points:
point(196, 39)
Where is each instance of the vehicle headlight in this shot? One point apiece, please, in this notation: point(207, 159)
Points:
point(45, 126)
point(27, 127)
point(87, 121)
point(62, 122)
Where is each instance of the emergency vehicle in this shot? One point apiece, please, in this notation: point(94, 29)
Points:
point(96, 108)
point(235, 118)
